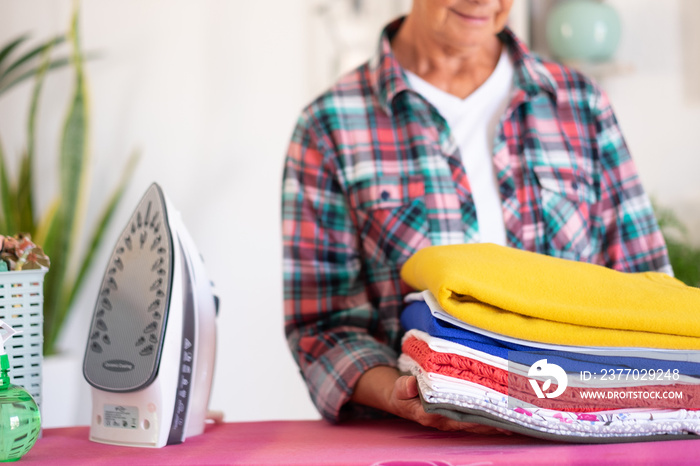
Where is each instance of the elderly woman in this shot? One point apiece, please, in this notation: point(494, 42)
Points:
point(453, 132)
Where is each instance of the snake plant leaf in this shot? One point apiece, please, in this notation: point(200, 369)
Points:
point(74, 156)
point(7, 50)
point(685, 260)
point(102, 224)
point(46, 226)
point(31, 71)
point(73, 164)
point(25, 196)
point(47, 233)
point(34, 105)
point(31, 55)
point(683, 253)
point(7, 214)
point(53, 281)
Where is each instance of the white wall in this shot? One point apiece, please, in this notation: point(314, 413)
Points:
point(209, 91)
point(657, 106)
point(657, 98)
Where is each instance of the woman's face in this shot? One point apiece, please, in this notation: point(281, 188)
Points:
point(462, 23)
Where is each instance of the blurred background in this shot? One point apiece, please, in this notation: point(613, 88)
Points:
point(209, 91)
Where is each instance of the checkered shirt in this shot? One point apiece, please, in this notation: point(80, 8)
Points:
point(373, 174)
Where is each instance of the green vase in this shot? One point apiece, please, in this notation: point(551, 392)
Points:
point(583, 30)
point(20, 421)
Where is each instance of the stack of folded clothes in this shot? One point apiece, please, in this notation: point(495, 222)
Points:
point(495, 325)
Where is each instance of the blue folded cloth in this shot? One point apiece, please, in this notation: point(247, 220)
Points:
point(417, 315)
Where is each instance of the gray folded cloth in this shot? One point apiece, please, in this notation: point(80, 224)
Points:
point(461, 414)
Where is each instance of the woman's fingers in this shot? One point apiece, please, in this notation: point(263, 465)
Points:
point(408, 405)
point(406, 387)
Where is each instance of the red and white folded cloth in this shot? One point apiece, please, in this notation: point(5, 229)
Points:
point(456, 397)
point(511, 379)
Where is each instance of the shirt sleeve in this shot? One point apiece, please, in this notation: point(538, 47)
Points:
point(632, 240)
point(328, 315)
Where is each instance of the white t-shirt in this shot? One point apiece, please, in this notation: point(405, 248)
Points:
point(473, 124)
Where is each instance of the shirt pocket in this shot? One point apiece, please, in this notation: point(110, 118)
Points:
point(392, 218)
point(565, 198)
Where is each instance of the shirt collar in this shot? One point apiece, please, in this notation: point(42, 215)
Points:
point(387, 78)
point(531, 75)
point(385, 73)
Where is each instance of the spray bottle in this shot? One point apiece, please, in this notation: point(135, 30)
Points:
point(20, 421)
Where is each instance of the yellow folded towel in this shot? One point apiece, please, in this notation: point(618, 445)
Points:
point(546, 299)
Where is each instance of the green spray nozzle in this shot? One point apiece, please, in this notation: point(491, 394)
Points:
point(20, 420)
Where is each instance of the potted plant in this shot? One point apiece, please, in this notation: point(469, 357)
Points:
point(59, 228)
point(683, 254)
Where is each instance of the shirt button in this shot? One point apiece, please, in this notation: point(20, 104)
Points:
point(574, 185)
point(385, 195)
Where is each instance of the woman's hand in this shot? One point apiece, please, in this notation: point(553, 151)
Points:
point(384, 388)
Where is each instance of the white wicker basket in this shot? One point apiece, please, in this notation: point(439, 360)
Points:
point(21, 306)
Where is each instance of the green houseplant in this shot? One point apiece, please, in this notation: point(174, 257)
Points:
point(60, 228)
point(683, 254)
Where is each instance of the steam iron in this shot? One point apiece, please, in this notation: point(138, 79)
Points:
point(152, 342)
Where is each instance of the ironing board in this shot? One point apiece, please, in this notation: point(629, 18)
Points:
point(387, 442)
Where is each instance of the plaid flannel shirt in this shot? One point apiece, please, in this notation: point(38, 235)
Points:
point(373, 174)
